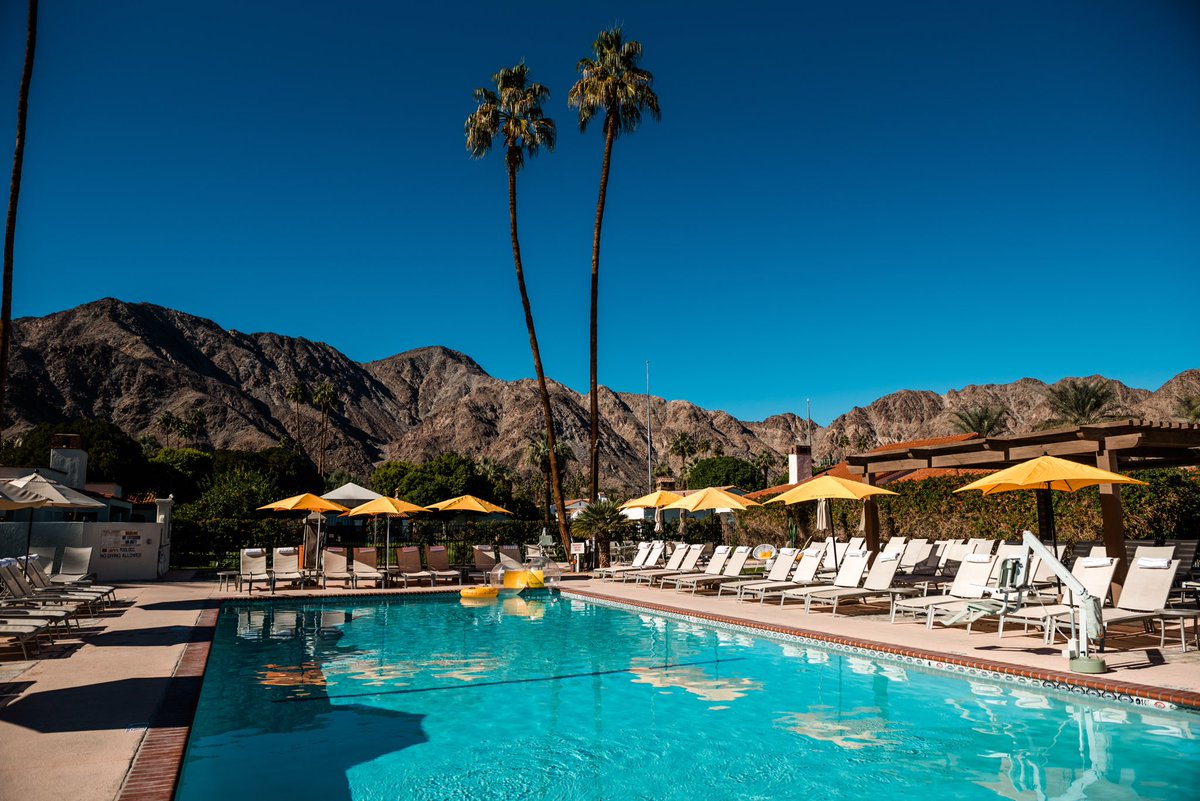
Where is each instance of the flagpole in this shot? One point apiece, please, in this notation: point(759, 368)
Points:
point(649, 436)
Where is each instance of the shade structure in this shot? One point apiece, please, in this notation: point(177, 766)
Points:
point(827, 486)
point(1046, 472)
point(468, 503)
point(305, 502)
point(711, 498)
point(351, 493)
point(14, 497)
point(53, 495)
point(57, 496)
point(655, 500)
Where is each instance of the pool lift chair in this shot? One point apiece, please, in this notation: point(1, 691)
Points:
point(1013, 582)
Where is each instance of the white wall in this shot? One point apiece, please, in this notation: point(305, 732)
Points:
point(120, 551)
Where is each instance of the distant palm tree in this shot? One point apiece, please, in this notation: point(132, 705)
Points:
point(1189, 408)
point(168, 424)
point(986, 421)
point(296, 395)
point(684, 446)
point(537, 455)
point(14, 192)
point(764, 462)
point(324, 398)
point(602, 521)
point(514, 112)
point(614, 84)
point(1076, 402)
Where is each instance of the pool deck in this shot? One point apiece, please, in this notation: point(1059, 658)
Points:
point(104, 715)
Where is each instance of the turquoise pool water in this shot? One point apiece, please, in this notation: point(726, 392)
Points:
point(551, 698)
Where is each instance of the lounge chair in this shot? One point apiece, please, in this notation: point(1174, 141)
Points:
point(334, 566)
point(781, 568)
point(837, 551)
point(683, 560)
point(408, 565)
point(732, 572)
point(253, 566)
point(76, 567)
point(484, 557)
point(513, 552)
point(877, 585)
point(39, 580)
point(651, 560)
point(25, 632)
point(437, 560)
point(849, 575)
point(27, 605)
point(805, 575)
point(285, 566)
point(970, 582)
point(1094, 572)
point(1144, 594)
point(715, 565)
point(364, 566)
point(638, 561)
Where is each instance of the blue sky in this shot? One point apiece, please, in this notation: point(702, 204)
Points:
point(841, 200)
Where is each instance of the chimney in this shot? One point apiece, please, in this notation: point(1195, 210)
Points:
point(68, 457)
point(799, 463)
point(665, 483)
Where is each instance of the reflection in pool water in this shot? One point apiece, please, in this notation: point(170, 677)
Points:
point(547, 697)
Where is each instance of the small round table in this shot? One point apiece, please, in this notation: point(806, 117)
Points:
point(1183, 616)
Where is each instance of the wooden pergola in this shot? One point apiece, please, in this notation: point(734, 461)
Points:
point(1119, 446)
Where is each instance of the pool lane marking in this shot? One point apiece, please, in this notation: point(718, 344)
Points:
point(532, 680)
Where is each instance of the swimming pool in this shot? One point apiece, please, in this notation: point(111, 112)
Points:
point(554, 698)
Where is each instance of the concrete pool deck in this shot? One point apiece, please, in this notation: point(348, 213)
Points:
point(105, 714)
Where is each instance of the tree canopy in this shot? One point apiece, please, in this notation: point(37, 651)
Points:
point(722, 471)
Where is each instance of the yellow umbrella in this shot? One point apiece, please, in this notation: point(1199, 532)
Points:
point(655, 500)
point(306, 502)
point(468, 503)
point(828, 486)
point(1046, 472)
point(1041, 475)
point(392, 507)
point(711, 498)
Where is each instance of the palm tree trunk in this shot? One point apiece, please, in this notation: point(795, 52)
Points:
point(594, 406)
point(547, 412)
point(546, 478)
point(324, 434)
point(14, 191)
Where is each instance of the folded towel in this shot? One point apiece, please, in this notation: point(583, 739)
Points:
point(861, 552)
point(1153, 563)
point(813, 551)
point(888, 557)
point(255, 552)
point(1095, 561)
point(34, 557)
point(978, 558)
point(8, 561)
point(289, 551)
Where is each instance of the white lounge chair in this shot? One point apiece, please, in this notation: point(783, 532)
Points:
point(877, 585)
point(850, 574)
point(732, 572)
point(715, 565)
point(781, 568)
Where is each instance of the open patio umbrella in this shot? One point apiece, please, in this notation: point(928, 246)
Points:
point(468, 503)
point(709, 498)
point(826, 487)
point(391, 507)
point(1043, 474)
point(306, 502)
point(55, 495)
point(656, 501)
point(14, 497)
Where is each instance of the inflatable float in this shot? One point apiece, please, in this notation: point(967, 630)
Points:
point(478, 592)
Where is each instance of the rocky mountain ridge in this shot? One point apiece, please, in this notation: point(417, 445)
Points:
point(128, 363)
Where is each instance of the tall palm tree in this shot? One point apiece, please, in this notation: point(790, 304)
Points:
point(611, 83)
point(1078, 402)
point(323, 398)
point(684, 446)
point(986, 421)
point(537, 455)
point(296, 396)
point(514, 112)
point(764, 461)
point(602, 521)
point(168, 424)
point(14, 192)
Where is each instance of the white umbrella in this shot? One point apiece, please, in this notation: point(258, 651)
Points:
point(52, 494)
point(823, 515)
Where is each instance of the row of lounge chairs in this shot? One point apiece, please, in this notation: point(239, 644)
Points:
point(939, 582)
point(348, 565)
point(34, 608)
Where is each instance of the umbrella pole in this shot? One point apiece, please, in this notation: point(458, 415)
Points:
point(387, 548)
point(1046, 530)
point(29, 543)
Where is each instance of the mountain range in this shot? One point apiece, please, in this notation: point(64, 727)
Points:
point(128, 363)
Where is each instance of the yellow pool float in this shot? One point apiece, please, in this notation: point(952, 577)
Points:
point(478, 592)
